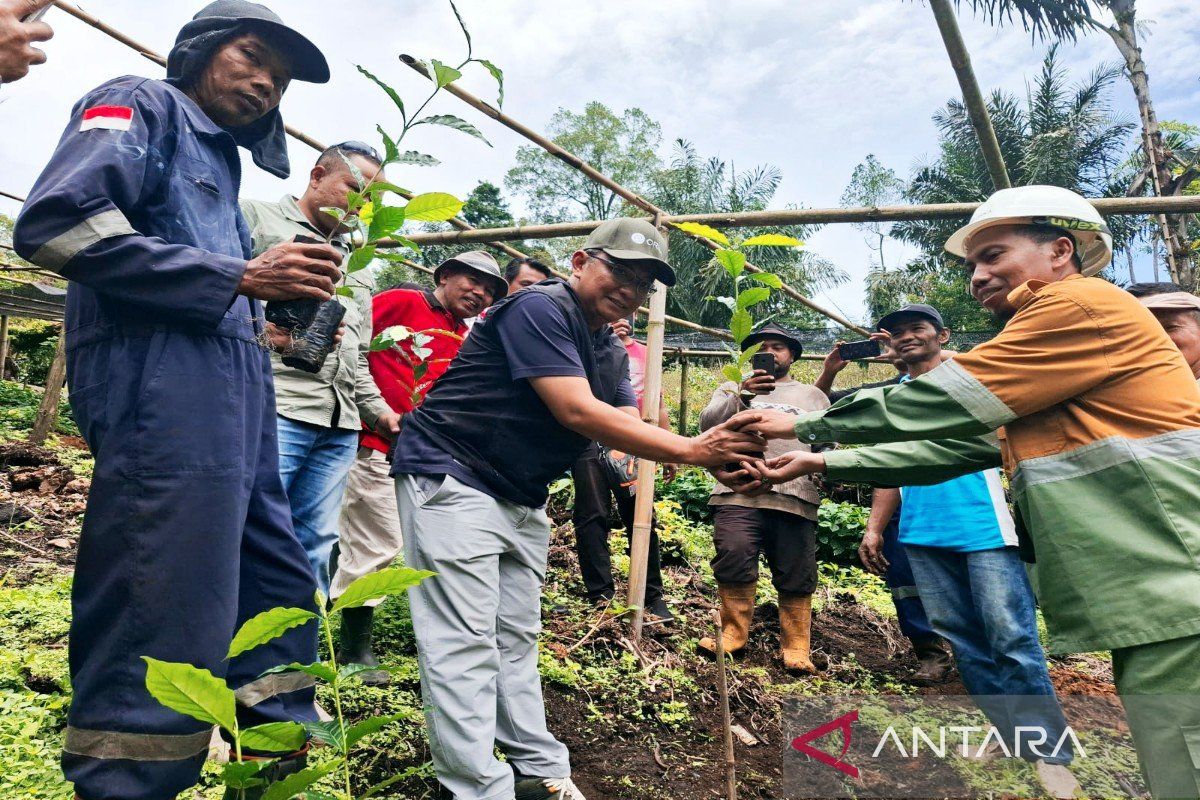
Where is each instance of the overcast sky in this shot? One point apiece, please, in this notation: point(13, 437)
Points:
point(811, 87)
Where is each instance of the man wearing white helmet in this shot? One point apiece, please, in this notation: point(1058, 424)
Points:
point(1097, 415)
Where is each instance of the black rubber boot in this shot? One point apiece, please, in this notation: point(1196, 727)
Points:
point(355, 645)
point(288, 765)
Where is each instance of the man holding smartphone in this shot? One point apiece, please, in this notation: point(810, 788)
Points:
point(780, 524)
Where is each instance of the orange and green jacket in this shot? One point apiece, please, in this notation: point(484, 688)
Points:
point(1097, 418)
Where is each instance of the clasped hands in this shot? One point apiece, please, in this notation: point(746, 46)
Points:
point(756, 476)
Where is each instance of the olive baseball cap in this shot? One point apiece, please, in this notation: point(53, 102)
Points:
point(636, 241)
point(479, 262)
point(913, 309)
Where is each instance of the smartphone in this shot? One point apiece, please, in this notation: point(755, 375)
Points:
point(36, 15)
point(763, 361)
point(857, 351)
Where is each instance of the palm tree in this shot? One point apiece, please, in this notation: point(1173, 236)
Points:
point(1059, 134)
point(694, 185)
point(1067, 19)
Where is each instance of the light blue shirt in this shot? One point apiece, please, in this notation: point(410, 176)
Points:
point(963, 514)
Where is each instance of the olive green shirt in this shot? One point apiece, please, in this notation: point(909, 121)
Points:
point(342, 394)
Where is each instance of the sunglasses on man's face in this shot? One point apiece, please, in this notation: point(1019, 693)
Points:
point(362, 148)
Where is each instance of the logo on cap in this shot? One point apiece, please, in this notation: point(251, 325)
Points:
point(638, 238)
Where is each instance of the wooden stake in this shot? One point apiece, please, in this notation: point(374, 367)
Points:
point(960, 60)
point(3, 344)
point(643, 505)
point(726, 721)
point(683, 394)
point(47, 413)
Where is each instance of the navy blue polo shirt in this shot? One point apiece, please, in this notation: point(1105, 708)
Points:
point(533, 339)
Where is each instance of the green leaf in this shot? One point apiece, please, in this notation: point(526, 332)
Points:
point(696, 229)
point(390, 91)
point(728, 302)
point(433, 207)
point(297, 782)
point(318, 669)
point(733, 261)
point(244, 774)
point(403, 242)
point(443, 73)
point(380, 187)
point(390, 151)
point(370, 726)
point(354, 200)
point(328, 732)
point(498, 74)
point(768, 279)
point(385, 222)
point(360, 259)
point(420, 370)
point(753, 296)
point(451, 121)
point(379, 584)
point(413, 157)
point(740, 325)
point(192, 691)
point(333, 211)
point(772, 240)
point(264, 627)
point(344, 291)
point(274, 737)
point(359, 178)
point(744, 357)
point(463, 25)
point(732, 373)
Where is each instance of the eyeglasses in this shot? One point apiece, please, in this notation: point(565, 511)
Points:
point(626, 276)
point(362, 148)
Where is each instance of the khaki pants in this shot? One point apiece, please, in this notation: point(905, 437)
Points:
point(370, 524)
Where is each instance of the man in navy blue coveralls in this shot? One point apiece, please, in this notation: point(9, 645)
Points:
point(187, 532)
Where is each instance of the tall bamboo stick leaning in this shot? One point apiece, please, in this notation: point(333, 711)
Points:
point(643, 504)
point(576, 162)
point(960, 60)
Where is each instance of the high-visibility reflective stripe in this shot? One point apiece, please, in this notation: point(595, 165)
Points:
point(136, 746)
point(55, 253)
point(268, 686)
point(1175, 446)
point(905, 593)
point(972, 395)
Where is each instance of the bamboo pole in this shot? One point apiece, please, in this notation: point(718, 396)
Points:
point(683, 393)
point(10, 196)
point(576, 162)
point(47, 413)
point(3, 344)
point(1107, 206)
point(643, 504)
point(960, 60)
point(726, 721)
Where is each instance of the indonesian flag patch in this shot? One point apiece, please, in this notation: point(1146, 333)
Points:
point(113, 118)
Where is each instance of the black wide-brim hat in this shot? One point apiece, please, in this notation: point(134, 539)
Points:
point(307, 61)
point(773, 331)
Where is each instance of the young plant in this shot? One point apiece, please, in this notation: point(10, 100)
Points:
point(413, 347)
point(203, 696)
point(732, 257)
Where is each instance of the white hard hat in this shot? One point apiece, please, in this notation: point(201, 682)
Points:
point(1042, 205)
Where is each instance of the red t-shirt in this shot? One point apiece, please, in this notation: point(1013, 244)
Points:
point(420, 311)
point(637, 368)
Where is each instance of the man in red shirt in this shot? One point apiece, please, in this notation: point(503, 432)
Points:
point(370, 524)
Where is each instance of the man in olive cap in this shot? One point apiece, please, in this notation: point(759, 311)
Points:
point(188, 532)
point(539, 378)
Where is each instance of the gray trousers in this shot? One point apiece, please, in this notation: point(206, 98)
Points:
point(476, 624)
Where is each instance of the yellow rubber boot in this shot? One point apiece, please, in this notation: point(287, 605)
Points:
point(737, 611)
point(795, 630)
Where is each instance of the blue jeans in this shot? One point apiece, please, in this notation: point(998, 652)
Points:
point(910, 613)
point(981, 602)
point(314, 462)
